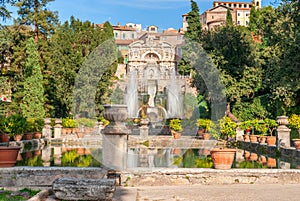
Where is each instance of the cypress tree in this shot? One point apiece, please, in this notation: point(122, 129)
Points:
point(229, 21)
point(33, 100)
point(194, 29)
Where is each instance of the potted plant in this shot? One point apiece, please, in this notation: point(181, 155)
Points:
point(261, 129)
point(205, 128)
point(8, 154)
point(69, 124)
point(247, 127)
point(176, 128)
point(4, 129)
point(271, 125)
point(17, 125)
point(223, 156)
point(294, 121)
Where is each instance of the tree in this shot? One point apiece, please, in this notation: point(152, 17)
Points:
point(192, 35)
point(71, 46)
point(35, 13)
point(33, 100)
point(229, 21)
point(194, 29)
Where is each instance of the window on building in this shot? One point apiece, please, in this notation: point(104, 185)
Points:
point(116, 35)
point(247, 14)
point(132, 35)
point(212, 17)
point(124, 36)
point(247, 23)
point(229, 5)
point(234, 5)
point(152, 28)
point(239, 14)
point(240, 5)
point(238, 22)
point(257, 4)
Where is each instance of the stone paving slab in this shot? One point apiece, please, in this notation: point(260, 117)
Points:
point(235, 192)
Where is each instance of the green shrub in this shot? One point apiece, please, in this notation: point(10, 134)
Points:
point(175, 124)
point(86, 122)
point(69, 123)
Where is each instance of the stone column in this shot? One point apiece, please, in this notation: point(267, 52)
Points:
point(114, 137)
point(144, 129)
point(57, 128)
point(283, 132)
point(47, 130)
point(57, 155)
point(46, 156)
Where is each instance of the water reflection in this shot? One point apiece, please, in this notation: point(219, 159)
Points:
point(148, 158)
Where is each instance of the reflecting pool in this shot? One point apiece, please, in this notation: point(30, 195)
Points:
point(148, 158)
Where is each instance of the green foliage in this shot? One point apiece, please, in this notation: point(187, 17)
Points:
point(86, 122)
point(229, 21)
point(227, 128)
point(194, 29)
point(33, 100)
point(208, 125)
point(13, 125)
point(69, 123)
point(104, 121)
point(175, 124)
point(294, 120)
point(34, 124)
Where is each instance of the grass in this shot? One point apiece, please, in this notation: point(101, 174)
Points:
point(21, 195)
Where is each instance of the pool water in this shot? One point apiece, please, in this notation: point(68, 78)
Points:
point(148, 158)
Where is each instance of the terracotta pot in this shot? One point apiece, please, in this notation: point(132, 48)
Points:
point(8, 156)
point(27, 154)
point(247, 154)
point(175, 134)
point(38, 152)
point(80, 151)
point(253, 157)
point(262, 159)
point(37, 135)
point(271, 162)
point(206, 136)
point(246, 137)
point(262, 139)
point(296, 143)
point(271, 140)
point(18, 137)
point(222, 158)
point(27, 136)
point(176, 151)
point(80, 134)
point(253, 138)
point(4, 138)
point(87, 151)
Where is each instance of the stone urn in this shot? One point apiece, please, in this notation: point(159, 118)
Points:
point(282, 121)
point(116, 115)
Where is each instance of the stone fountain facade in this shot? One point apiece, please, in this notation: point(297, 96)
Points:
point(154, 63)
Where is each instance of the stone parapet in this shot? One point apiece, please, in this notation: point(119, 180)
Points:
point(191, 176)
point(43, 177)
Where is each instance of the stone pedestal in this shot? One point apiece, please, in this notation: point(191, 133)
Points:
point(114, 152)
point(144, 129)
point(47, 130)
point(283, 132)
point(114, 137)
point(57, 128)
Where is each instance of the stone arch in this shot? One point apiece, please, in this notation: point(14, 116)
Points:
point(151, 52)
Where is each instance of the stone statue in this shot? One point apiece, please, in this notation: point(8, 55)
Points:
point(151, 92)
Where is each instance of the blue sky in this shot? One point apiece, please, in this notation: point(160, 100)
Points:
point(162, 13)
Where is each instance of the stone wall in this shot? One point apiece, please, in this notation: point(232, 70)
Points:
point(184, 176)
point(43, 177)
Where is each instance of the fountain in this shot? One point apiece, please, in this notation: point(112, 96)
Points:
point(131, 97)
point(174, 99)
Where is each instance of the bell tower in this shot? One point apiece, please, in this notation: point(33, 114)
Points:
point(256, 4)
